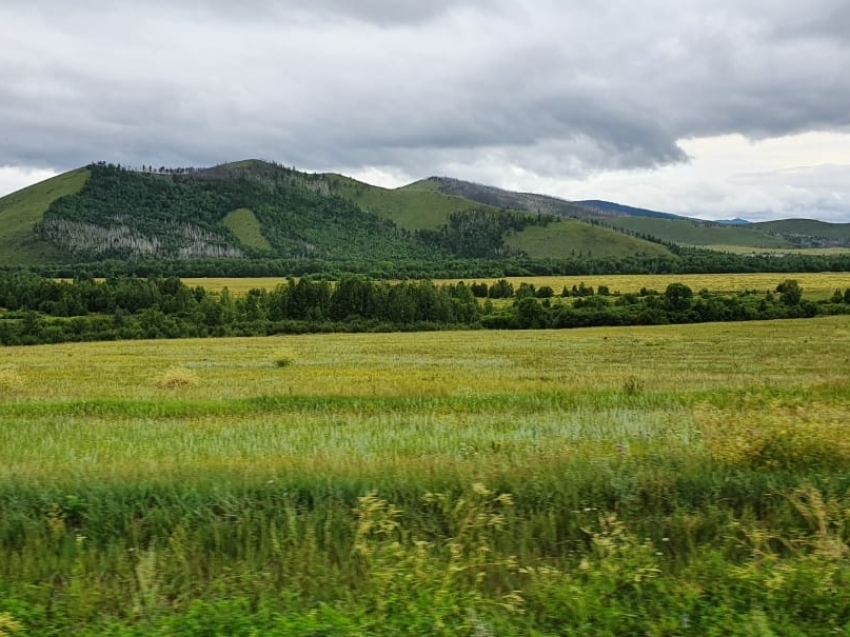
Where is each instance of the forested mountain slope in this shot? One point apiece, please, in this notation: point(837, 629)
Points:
point(256, 209)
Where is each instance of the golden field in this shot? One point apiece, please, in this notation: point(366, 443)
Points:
point(815, 285)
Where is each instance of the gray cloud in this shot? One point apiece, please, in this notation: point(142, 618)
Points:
point(552, 88)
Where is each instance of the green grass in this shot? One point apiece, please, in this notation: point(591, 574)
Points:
point(21, 210)
point(807, 227)
point(412, 209)
point(421, 206)
point(245, 226)
point(698, 233)
point(423, 185)
point(584, 482)
point(568, 237)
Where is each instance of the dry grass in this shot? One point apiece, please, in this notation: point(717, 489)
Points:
point(813, 284)
point(685, 358)
point(11, 382)
point(177, 377)
point(408, 404)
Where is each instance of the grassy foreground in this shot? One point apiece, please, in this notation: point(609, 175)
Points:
point(659, 481)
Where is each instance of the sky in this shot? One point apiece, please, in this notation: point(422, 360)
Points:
point(708, 108)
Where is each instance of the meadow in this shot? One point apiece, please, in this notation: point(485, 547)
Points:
point(647, 480)
point(815, 285)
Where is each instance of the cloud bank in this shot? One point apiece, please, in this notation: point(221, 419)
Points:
point(544, 92)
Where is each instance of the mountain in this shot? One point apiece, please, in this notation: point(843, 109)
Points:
point(500, 198)
point(257, 209)
point(729, 235)
point(425, 205)
point(619, 210)
point(254, 209)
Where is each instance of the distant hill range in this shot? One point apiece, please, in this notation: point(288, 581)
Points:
point(619, 210)
point(258, 209)
point(735, 235)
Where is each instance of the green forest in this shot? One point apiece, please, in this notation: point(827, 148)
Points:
point(40, 310)
point(252, 219)
point(181, 215)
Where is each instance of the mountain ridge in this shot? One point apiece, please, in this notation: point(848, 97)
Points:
point(258, 209)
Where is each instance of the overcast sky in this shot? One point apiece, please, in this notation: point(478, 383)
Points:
point(712, 108)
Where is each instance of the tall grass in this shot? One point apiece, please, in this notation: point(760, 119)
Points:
point(688, 480)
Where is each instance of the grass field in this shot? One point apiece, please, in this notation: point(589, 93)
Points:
point(569, 237)
point(807, 227)
point(687, 232)
point(410, 208)
point(748, 250)
point(243, 223)
point(815, 285)
point(665, 480)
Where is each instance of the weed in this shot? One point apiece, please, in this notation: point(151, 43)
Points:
point(632, 386)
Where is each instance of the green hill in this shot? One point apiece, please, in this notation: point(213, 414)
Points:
point(698, 233)
point(808, 233)
point(254, 208)
point(781, 235)
point(22, 210)
point(424, 205)
point(257, 209)
point(409, 207)
point(573, 238)
point(231, 211)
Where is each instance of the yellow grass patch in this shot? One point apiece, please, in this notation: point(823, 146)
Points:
point(10, 381)
point(176, 377)
point(813, 284)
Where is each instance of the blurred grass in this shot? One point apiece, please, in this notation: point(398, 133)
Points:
point(656, 472)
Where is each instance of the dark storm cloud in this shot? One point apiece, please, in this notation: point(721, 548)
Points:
point(557, 88)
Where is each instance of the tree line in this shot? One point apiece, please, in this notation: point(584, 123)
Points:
point(36, 309)
point(382, 266)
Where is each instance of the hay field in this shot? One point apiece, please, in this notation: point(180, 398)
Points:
point(577, 482)
point(815, 285)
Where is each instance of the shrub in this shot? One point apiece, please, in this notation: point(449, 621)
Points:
point(284, 358)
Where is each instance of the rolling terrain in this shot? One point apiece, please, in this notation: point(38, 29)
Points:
point(725, 236)
point(254, 209)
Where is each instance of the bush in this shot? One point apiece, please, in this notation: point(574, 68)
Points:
point(284, 358)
